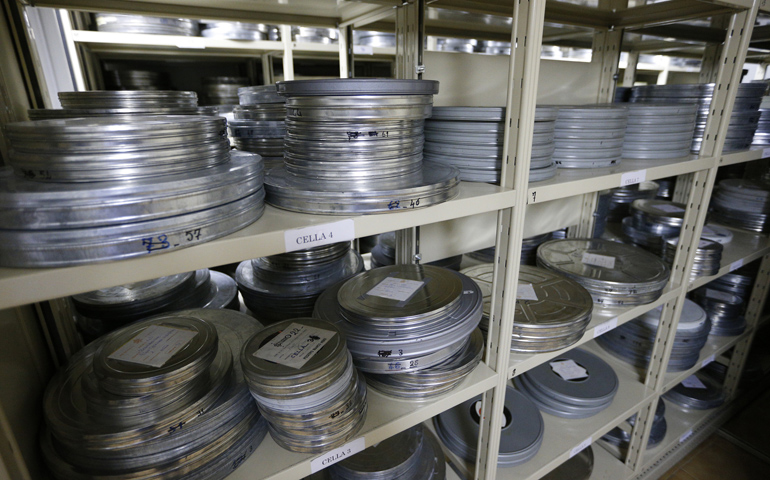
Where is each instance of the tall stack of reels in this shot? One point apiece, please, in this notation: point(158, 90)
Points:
point(356, 146)
point(260, 123)
point(122, 186)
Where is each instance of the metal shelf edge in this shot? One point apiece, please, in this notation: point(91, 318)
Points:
point(20, 286)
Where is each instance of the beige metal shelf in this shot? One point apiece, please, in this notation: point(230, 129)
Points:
point(754, 153)
point(385, 417)
point(602, 321)
point(569, 182)
point(607, 466)
point(108, 42)
point(715, 346)
point(264, 237)
point(562, 436)
point(744, 248)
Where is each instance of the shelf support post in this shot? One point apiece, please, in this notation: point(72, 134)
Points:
point(629, 75)
point(754, 309)
point(288, 53)
point(523, 74)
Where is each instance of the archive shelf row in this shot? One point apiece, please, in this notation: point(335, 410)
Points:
point(508, 203)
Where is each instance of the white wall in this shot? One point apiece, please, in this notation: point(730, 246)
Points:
point(480, 80)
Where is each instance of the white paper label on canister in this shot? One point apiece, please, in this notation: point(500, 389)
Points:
point(605, 327)
point(685, 436)
point(338, 454)
point(736, 265)
point(632, 178)
point(693, 382)
point(669, 208)
point(317, 235)
point(598, 260)
point(525, 291)
point(295, 345)
point(154, 345)
point(718, 295)
point(568, 369)
point(363, 50)
point(395, 288)
point(580, 447)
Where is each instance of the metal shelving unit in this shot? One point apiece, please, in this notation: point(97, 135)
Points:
point(508, 204)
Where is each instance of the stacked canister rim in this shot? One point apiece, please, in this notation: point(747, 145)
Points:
point(302, 376)
point(743, 121)
point(116, 412)
point(121, 186)
point(287, 285)
point(589, 136)
point(552, 312)
point(659, 130)
point(260, 123)
point(613, 273)
point(414, 322)
point(742, 203)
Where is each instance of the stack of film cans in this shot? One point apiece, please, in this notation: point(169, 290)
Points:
point(287, 285)
point(414, 454)
point(326, 36)
point(122, 186)
point(260, 123)
point(154, 398)
point(101, 103)
point(101, 311)
point(708, 256)
point(633, 341)
point(762, 135)
point(725, 311)
point(301, 375)
point(622, 438)
point(743, 121)
point(621, 199)
point(520, 438)
point(234, 30)
point(699, 391)
point(613, 273)
point(657, 131)
point(356, 146)
point(121, 23)
point(589, 136)
point(552, 312)
point(743, 204)
point(130, 79)
point(576, 384)
point(222, 90)
point(653, 221)
point(414, 323)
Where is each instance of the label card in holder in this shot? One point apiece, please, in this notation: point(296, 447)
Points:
point(394, 288)
point(718, 295)
point(568, 370)
point(693, 382)
point(598, 260)
point(669, 208)
point(525, 291)
point(317, 235)
point(632, 178)
point(605, 327)
point(338, 454)
point(580, 447)
point(294, 346)
point(736, 265)
point(154, 345)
